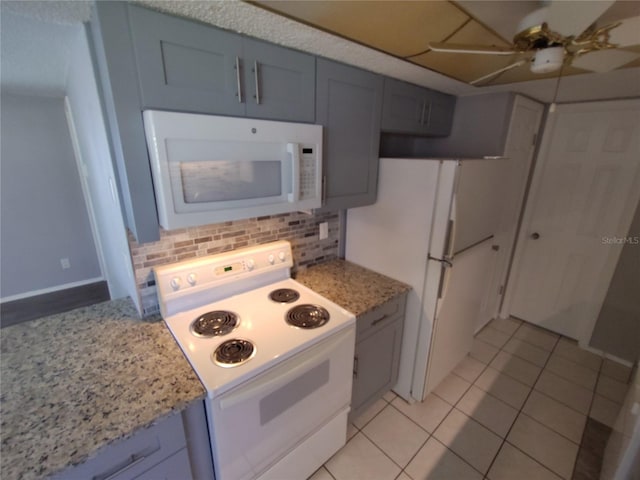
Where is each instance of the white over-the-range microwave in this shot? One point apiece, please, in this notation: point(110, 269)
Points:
point(210, 169)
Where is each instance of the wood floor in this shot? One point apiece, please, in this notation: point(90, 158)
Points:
point(38, 306)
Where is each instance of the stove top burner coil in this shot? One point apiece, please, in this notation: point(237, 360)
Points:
point(234, 352)
point(213, 324)
point(284, 295)
point(307, 316)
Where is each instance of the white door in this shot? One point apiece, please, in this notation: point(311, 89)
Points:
point(584, 192)
point(512, 180)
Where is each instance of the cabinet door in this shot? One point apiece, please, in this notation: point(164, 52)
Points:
point(280, 82)
point(377, 359)
point(405, 108)
point(440, 118)
point(118, 78)
point(349, 104)
point(186, 66)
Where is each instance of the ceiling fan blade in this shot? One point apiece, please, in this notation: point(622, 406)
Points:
point(501, 70)
point(626, 34)
point(472, 49)
point(604, 60)
point(573, 17)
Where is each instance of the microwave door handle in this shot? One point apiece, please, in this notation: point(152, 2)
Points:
point(293, 149)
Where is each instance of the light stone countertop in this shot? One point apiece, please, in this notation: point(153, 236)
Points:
point(75, 382)
point(356, 289)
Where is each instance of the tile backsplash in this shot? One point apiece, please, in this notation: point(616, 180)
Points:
point(300, 229)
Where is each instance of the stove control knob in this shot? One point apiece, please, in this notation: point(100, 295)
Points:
point(282, 256)
point(272, 259)
point(192, 278)
point(175, 283)
point(250, 264)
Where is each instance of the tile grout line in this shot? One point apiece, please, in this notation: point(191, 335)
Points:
point(465, 392)
point(504, 440)
point(429, 435)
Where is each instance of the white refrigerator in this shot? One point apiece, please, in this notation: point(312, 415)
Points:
point(432, 227)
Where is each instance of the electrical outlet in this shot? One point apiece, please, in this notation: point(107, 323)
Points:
point(324, 230)
point(65, 263)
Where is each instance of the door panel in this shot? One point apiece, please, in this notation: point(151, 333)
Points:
point(283, 87)
point(185, 66)
point(349, 105)
point(585, 190)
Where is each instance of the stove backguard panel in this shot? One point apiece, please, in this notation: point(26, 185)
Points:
point(300, 229)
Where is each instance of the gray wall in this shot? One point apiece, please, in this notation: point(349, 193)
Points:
point(617, 330)
point(43, 213)
point(88, 119)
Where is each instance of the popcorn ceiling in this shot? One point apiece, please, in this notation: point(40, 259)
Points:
point(256, 22)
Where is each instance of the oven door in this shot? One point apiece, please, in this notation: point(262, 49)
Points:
point(259, 422)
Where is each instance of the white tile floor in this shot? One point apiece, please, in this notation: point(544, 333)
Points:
point(514, 409)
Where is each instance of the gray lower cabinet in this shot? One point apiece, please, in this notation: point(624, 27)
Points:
point(175, 447)
point(188, 66)
point(348, 106)
point(411, 109)
point(377, 353)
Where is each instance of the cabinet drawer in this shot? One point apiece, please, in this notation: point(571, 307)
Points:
point(131, 457)
point(382, 316)
point(176, 466)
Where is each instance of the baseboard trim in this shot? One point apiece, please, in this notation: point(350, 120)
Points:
point(57, 288)
point(22, 310)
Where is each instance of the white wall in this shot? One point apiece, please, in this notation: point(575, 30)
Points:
point(44, 218)
point(88, 119)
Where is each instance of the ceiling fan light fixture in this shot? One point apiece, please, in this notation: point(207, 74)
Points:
point(548, 60)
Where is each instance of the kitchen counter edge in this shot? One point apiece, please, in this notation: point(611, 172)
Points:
point(353, 287)
point(76, 382)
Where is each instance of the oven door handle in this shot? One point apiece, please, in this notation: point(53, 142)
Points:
point(274, 379)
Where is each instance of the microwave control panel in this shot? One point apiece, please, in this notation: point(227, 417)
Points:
point(308, 161)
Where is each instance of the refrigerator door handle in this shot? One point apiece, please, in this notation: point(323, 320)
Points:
point(445, 265)
point(445, 260)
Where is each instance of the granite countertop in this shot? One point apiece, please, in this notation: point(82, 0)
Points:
point(351, 286)
point(75, 382)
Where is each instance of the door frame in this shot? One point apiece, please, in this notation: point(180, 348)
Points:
point(83, 173)
point(501, 277)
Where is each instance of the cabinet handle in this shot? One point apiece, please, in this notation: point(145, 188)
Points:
point(129, 462)
point(355, 367)
point(256, 78)
point(424, 106)
point(377, 321)
point(239, 85)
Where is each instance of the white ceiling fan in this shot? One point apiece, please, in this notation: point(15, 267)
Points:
point(562, 33)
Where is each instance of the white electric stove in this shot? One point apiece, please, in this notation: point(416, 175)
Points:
point(275, 358)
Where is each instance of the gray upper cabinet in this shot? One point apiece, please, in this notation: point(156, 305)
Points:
point(187, 66)
point(118, 79)
point(146, 59)
point(349, 105)
point(280, 83)
point(184, 65)
point(416, 110)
